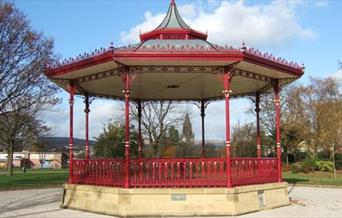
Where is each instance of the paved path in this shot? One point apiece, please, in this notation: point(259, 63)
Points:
point(307, 203)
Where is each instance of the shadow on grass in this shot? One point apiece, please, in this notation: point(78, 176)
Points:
point(294, 181)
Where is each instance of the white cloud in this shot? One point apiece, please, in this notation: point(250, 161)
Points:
point(101, 111)
point(232, 22)
point(151, 22)
point(321, 3)
point(215, 118)
point(338, 76)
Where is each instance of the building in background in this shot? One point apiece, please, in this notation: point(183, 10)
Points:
point(35, 160)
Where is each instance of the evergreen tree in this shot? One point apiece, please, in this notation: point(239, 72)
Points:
point(110, 143)
point(173, 136)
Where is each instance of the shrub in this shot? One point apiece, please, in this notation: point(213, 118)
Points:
point(295, 168)
point(305, 166)
point(322, 165)
point(308, 165)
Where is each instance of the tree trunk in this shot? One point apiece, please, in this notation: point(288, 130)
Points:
point(333, 160)
point(155, 149)
point(10, 160)
point(287, 158)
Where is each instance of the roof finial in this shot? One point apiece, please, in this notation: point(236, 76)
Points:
point(244, 47)
point(173, 2)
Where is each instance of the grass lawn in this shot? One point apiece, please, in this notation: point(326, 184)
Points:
point(34, 178)
point(314, 178)
point(43, 178)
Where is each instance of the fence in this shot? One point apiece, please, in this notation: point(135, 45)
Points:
point(177, 173)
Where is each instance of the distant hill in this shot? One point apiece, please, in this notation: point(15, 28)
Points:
point(62, 143)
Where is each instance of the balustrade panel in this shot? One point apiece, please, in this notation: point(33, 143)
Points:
point(175, 173)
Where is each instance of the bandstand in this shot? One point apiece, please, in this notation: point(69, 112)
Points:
point(174, 62)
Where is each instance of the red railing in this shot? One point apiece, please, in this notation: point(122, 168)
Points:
point(98, 172)
point(249, 171)
point(178, 173)
point(161, 173)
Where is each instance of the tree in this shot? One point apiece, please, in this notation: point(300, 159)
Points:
point(170, 143)
point(318, 113)
point(111, 142)
point(310, 116)
point(173, 136)
point(243, 140)
point(157, 118)
point(24, 90)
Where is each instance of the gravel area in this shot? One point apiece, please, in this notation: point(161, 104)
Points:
point(307, 202)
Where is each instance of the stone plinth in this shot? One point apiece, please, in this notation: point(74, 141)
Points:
point(175, 202)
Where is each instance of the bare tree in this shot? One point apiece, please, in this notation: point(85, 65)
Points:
point(310, 116)
point(157, 118)
point(24, 90)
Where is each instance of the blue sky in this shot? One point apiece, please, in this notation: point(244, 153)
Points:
point(304, 31)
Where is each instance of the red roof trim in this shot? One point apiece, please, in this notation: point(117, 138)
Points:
point(88, 62)
point(179, 56)
point(164, 33)
point(273, 65)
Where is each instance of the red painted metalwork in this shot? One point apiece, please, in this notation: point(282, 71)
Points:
point(173, 33)
point(174, 55)
point(99, 172)
point(203, 106)
point(140, 141)
point(277, 110)
point(71, 129)
point(166, 31)
point(127, 80)
point(86, 111)
point(249, 171)
point(180, 173)
point(202, 172)
point(226, 82)
point(257, 111)
point(175, 173)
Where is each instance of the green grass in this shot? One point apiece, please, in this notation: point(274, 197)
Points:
point(43, 178)
point(34, 178)
point(314, 178)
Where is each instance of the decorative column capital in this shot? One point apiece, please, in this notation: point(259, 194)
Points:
point(228, 144)
point(277, 101)
point(71, 101)
point(126, 92)
point(227, 92)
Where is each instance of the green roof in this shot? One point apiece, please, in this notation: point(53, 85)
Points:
point(173, 19)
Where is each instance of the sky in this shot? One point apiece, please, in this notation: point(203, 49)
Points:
point(304, 31)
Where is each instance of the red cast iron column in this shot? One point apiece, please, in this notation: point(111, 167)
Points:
point(86, 111)
point(257, 110)
point(139, 131)
point(277, 110)
point(127, 82)
point(203, 133)
point(227, 78)
point(71, 127)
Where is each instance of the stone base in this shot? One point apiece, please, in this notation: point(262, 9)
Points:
point(175, 202)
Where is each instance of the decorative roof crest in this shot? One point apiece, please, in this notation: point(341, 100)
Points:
point(173, 27)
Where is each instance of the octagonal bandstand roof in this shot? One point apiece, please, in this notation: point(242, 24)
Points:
point(173, 62)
